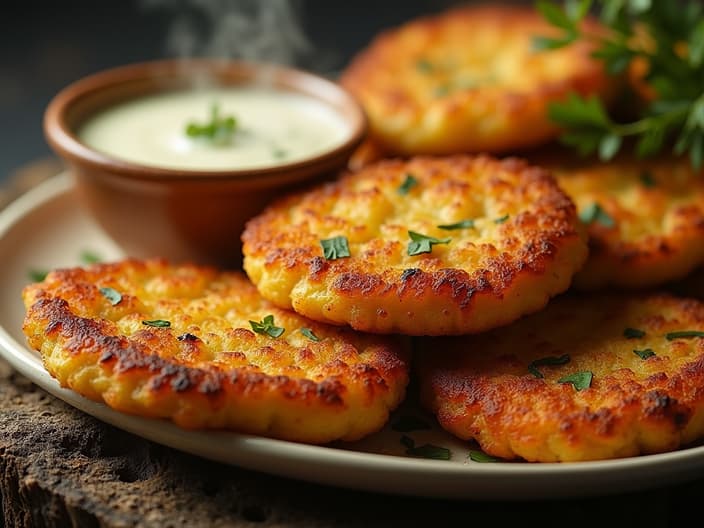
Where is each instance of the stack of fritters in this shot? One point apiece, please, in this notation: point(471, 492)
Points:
point(472, 227)
point(591, 376)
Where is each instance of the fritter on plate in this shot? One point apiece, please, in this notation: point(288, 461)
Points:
point(429, 246)
point(645, 218)
point(202, 348)
point(590, 377)
point(469, 80)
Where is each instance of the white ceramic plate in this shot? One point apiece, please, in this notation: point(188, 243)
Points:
point(46, 228)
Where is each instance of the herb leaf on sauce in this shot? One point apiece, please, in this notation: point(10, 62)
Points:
point(547, 361)
point(501, 219)
point(279, 153)
point(335, 248)
point(423, 243)
point(219, 130)
point(580, 380)
point(267, 326)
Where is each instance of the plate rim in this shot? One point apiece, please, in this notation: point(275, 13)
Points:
point(366, 471)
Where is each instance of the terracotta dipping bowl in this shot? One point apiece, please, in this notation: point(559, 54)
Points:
point(186, 215)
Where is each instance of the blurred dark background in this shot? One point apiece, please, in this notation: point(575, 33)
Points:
point(45, 45)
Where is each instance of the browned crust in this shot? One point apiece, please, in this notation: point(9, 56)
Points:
point(285, 239)
point(74, 327)
point(138, 356)
point(395, 49)
point(658, 230)
point(481, 388)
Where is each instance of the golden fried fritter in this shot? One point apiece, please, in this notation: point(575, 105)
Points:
point(178, 342)
point(436, 246)
point(368, 152)
point(645, 218)
point(590, 377)
point(468, 80)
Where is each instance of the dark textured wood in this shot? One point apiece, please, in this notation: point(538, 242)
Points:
point(60, 467)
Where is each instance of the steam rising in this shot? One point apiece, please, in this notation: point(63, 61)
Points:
point(257, 30)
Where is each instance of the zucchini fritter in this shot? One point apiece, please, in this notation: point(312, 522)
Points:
point(590, 377)
point(177, 342)
point(467, 80)
point(645, 219)
point(437, 246)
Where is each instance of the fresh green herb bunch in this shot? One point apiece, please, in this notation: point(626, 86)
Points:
point(668, 35)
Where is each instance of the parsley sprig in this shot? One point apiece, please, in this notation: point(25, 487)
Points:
point(267, 326)
point(673, 49)
point(219, 130)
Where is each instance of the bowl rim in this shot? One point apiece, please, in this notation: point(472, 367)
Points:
point(65, 142)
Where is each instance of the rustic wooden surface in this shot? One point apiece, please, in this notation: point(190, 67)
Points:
point(62, 468)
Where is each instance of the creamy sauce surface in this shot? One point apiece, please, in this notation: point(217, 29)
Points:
point(273, 127)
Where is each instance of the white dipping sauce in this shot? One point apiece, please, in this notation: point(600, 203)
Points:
point(273, 127)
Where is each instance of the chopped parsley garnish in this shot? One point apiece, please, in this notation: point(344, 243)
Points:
point(36, 275)
point(279, 153)
point(335, 248)
point(407, 184)
point(501, 219)
point(468, 84)
point(547, 361)
point(580, 380)
point(441, 91)
point(422, 243)
point(267, 326)
point(424, 66)
point(683, 334)
point(595, 213)
point(480, 456)
point(647, 179)
point(407, 441)
point(462, 224)
point(645, 353)
point(408, 423)
point(408, 273)
point(111, 295)
point(157, 323)
point(219, 130)
point(633, 333)
point(309, 334)
point(426, 450)
point(88, 257)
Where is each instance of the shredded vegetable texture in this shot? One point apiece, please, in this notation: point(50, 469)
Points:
point(669, 37)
